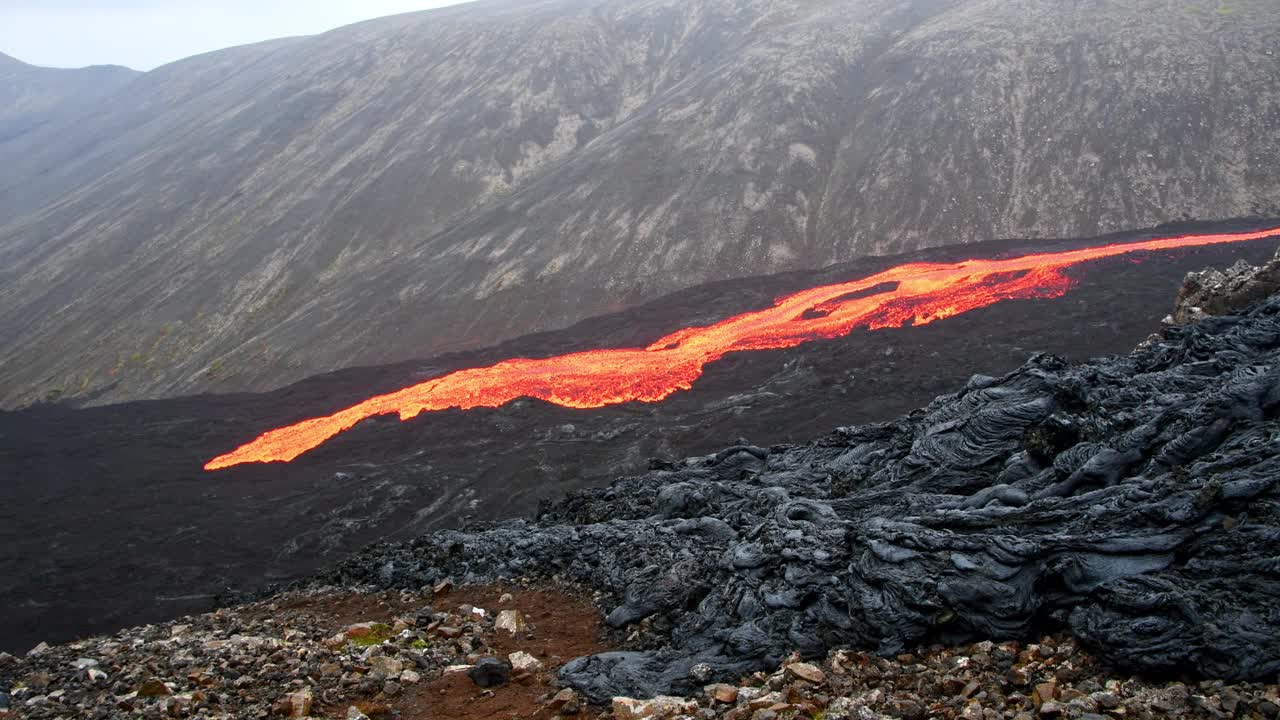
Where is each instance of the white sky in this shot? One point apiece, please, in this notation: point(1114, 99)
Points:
point(144, 34)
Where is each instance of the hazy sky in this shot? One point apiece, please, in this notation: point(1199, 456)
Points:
point(144, 34)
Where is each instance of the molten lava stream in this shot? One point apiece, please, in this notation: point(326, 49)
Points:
point(916, 294)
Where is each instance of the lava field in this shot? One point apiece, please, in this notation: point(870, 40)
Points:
point(108, 518)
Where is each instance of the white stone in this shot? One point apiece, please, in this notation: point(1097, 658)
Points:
point(663, 706)
point(511, 621)
point(388, 666)
point(301, 702)
point(524, 662)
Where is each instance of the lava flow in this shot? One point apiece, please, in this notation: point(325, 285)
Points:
point(915, 294)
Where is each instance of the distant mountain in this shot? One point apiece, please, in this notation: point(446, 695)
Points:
point(446, 179)
point(33, 96)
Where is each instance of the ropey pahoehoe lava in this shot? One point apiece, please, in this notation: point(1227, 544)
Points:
point(911, 294)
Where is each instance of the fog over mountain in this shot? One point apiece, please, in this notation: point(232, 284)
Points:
point(446, 179)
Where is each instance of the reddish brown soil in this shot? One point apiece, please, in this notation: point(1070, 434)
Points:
point(561, 627)
point(341, 609)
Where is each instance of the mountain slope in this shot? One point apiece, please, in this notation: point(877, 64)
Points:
point(32, 96)
point(447, 179)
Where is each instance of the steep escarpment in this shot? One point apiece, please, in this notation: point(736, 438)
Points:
point(1134, 500)
point(444, 180)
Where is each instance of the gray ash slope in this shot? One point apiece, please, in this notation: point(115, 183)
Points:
point(1134, 499)
point(444, 180)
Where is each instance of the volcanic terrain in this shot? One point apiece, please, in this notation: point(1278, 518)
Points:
point(107, 517)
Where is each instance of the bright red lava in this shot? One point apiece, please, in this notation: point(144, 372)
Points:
point(916, 294)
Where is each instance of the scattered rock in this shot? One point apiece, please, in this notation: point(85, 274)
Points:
point(524, 662)
point(1043, 693)
point(386, 666)
point(625, 708)
point(722, 693)
point(807, 672)
point(1051, 708)
point(1217, 292)
point(511, 622)
point(490, 672)
point(300, 703)
point(702, 672)
point(153, 688)
point(563, 699)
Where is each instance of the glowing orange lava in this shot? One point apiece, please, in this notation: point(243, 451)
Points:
point(917, 293)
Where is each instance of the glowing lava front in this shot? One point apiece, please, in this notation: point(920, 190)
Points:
point(917, 293)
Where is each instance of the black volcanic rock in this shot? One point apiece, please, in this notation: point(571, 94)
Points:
point(1215, 292)
point(490, 672)
point(1145, 516)
point(443, 180)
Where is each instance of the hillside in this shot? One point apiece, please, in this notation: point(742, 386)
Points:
point(31, 96)
point(444, 180)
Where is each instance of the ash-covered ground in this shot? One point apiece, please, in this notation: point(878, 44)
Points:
point(106, 518)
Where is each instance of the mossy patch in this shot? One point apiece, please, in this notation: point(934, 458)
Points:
point(378, 633)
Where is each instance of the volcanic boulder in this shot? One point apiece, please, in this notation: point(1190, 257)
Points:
point(1214, 292)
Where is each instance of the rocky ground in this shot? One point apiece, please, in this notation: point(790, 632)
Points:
point(1216, 292)
point(476, 652)
point(492, 652)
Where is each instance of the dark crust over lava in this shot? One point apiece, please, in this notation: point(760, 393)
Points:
point(107, 520)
